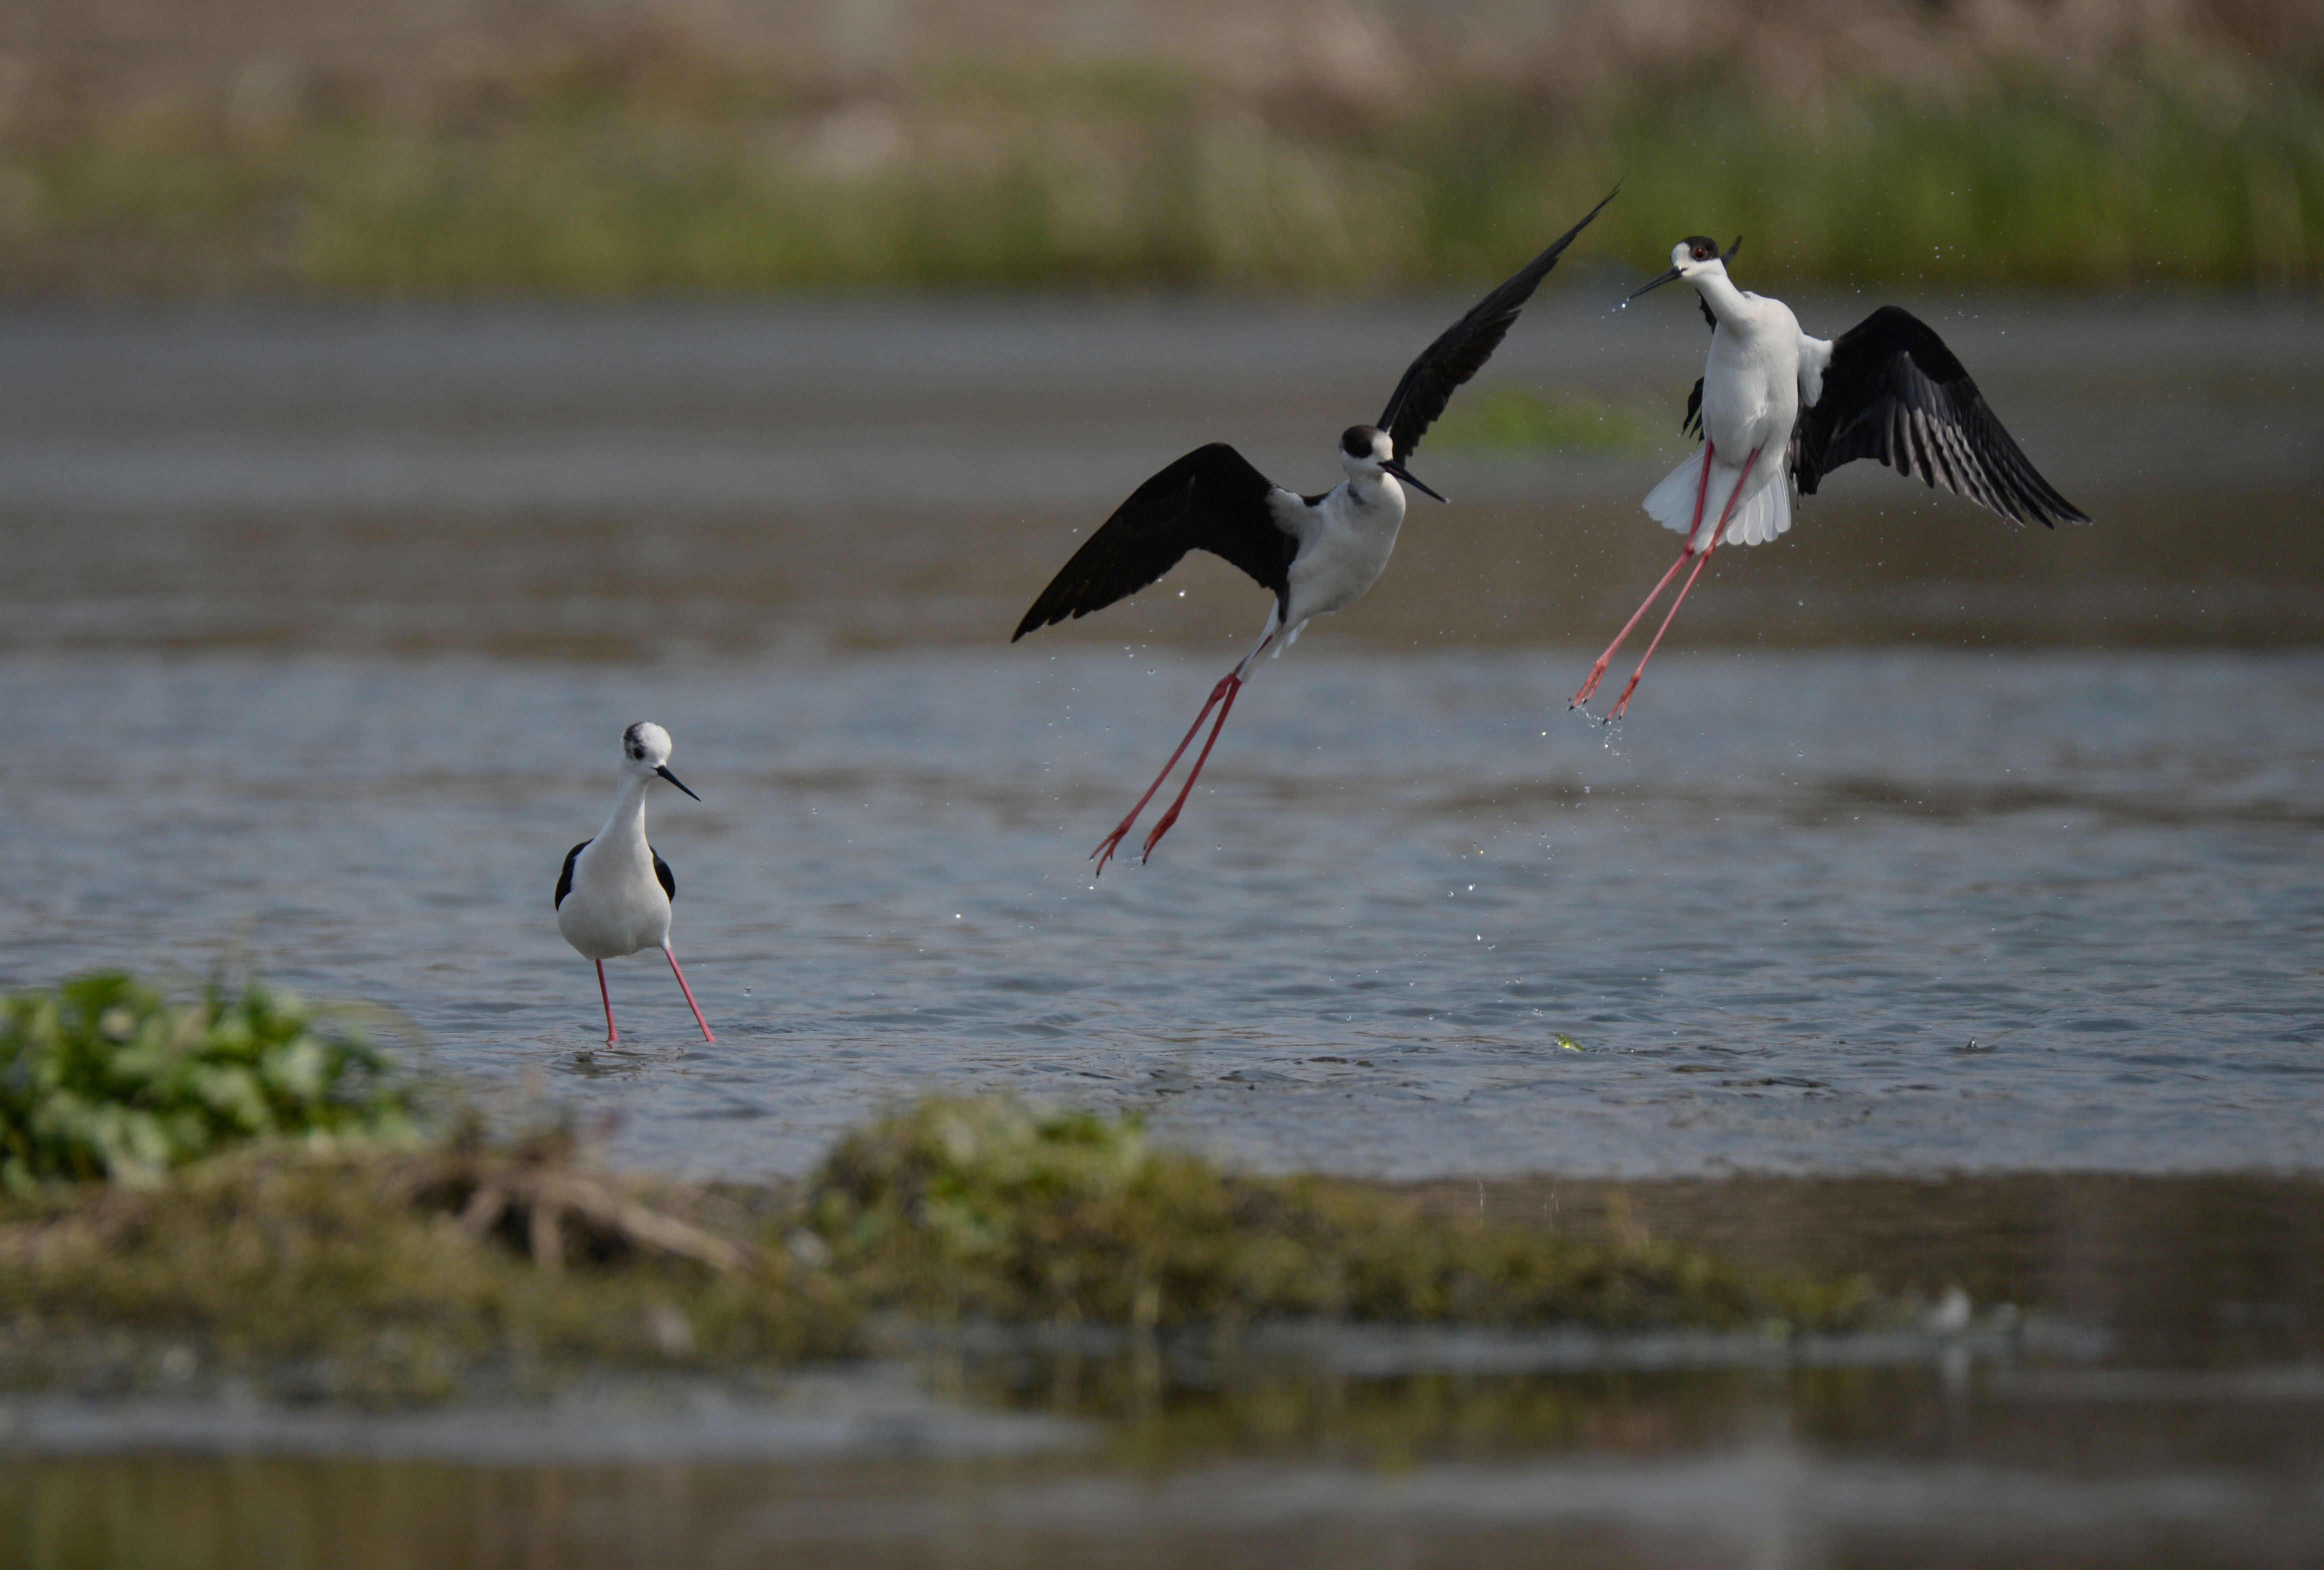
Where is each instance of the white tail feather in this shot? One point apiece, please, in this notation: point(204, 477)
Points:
point(1671, 504)
point(1765, 512)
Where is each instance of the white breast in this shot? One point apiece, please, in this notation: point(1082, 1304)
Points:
point(616, 905)
point(1346, 540)
point(1751, 384)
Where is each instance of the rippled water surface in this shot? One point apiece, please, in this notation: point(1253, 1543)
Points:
point(1930, 844)
point(1829, 910)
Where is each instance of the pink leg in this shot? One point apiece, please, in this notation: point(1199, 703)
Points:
point(1598, 671)
point(609, 1036)
point(1171, 816)
point(1726, 512)
point(1106, 846)
point(670, 955)
point(1226, 688)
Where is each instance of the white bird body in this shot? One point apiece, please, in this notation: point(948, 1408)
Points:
point(1345, 536)
point(617, 905)
point(614, 896)
point(1754, 384)
point(1778, 410)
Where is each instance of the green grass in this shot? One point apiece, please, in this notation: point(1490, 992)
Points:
point(1078, 178)
point(105, 1077)
point(955, 1210)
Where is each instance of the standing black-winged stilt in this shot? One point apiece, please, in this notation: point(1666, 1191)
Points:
point(1316, 554)
point(1886, 388)
point(614, 896)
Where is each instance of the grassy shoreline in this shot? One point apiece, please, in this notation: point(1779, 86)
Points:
point(625, 162)
point(237, 1188)
point(391, 1278)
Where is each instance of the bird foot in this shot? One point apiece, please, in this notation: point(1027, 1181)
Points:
point(1146, 853)
point(1622, 702)
point(1108, 846)
point(1589, 689)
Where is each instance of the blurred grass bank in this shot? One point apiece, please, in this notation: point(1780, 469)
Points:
point(600, 148)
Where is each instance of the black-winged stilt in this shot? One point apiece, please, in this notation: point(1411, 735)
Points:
point(614, 896)
point(1886, 388)
point(1316, 554)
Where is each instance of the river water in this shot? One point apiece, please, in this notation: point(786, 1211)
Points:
point(1930, 848)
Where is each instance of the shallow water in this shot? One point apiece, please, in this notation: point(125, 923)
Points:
point(1772, 910)
point(320, 627)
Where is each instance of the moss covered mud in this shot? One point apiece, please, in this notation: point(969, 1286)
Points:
point(396, 1276)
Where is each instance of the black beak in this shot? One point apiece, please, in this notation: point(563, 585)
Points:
point(665, 774)
point(1409, 478)
point(1729, 255)
point(1656, 284)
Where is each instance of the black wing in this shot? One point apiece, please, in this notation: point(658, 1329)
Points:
point(1896, 393)
point(1210, 500)
point(1460, 350)
point(564, 878)
point(661, 871)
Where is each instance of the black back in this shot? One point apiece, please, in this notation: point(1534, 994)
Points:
point(1894, 393)
point(1210, 500)
point(668, 879)
point(1460, 350)
point(564, 878)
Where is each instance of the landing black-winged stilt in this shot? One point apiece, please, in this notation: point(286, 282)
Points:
point(1777, 409)
point(614, 896)
point(1316, 554)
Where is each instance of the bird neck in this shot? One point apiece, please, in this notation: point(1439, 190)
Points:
point(628, 823)
point(1719, 293)
point(1371, 491)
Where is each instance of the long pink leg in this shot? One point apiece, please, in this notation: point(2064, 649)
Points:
point(1725, 512)
point(1106, 846)
point(1598, 671)
point(609, 1036)
point(672, 955)
point(1171, 816)
point(1226, 688)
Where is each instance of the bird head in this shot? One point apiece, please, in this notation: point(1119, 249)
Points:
point(645, 754)
point(1697, 256)
point(1366, 452)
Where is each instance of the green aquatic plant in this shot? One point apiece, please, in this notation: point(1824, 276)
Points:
point(955, 1209)
point(103, 1077)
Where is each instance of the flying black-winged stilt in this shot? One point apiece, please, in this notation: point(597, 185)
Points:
point(1316, 554)
point(1777, 409)
point(614, 896)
